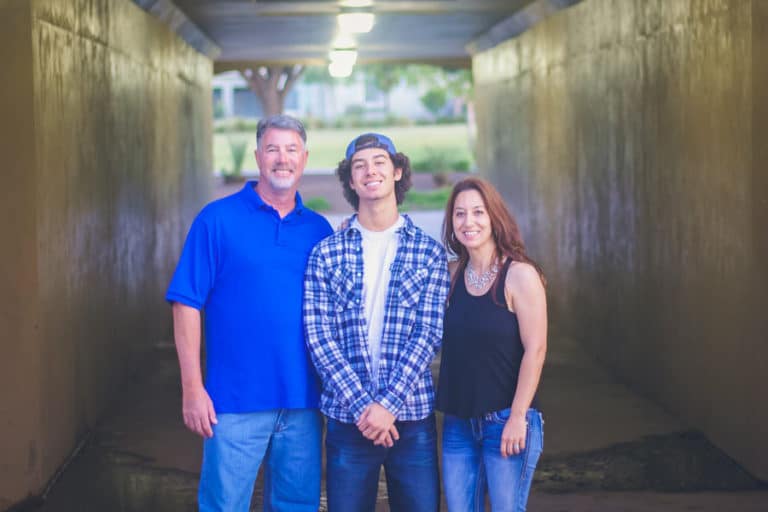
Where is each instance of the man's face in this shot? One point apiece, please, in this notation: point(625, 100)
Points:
point(281, 157)
point(373, 175)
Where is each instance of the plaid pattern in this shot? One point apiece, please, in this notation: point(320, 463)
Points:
point(335, 325)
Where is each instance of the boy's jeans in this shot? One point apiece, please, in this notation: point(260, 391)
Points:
point(413, 482)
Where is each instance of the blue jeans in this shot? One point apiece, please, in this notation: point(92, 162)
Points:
point(287, 440)
point(472, 463)
point(353, 465)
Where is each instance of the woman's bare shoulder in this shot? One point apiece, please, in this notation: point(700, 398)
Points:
point(522, 275)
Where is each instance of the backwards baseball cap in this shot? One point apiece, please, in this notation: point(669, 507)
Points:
point(370, 140)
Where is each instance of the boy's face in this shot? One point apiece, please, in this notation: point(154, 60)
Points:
point(373, 175)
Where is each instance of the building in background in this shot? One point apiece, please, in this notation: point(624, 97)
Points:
point(327, 102)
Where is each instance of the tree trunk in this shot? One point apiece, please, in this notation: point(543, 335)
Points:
point(272, 84)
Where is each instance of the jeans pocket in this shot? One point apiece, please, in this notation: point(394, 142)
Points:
point(500, 417)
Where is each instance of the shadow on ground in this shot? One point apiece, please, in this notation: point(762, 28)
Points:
point(677, 462)
point(140, 458)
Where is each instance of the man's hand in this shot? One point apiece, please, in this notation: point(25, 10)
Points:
point(198, 412)
point(378, 424)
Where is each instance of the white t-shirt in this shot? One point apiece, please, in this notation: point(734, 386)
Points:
point(379, 249)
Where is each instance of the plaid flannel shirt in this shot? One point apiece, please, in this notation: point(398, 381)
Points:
point(336, 331)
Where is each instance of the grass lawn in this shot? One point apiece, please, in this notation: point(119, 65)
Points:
point(326, 147)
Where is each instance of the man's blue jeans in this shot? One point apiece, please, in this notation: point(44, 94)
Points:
point(289, 443)
point(353, 465)
point(472, 463)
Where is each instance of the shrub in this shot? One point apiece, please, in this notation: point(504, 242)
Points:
point(432, 200)
point(437, 160)
point(317, 203)
point(237, 150)
point(460, 165)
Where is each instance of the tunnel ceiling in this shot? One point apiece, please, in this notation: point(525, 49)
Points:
point(302, 32)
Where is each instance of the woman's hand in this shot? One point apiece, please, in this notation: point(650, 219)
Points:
point(513, 436)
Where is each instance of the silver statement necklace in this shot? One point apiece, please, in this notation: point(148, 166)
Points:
point(480, 281)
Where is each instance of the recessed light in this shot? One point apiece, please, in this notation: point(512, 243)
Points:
point(339, 69)
point(356, 3)
point(355, 22)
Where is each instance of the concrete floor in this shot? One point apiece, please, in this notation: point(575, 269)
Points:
point(602, 451)
point(606, 448)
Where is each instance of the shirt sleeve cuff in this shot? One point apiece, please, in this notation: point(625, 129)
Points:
point(359, 405)
point(390, 401)
point(172, 297)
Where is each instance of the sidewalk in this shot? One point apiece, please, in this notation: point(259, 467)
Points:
point(599, 436)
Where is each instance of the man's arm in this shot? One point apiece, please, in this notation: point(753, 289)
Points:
point(197, 407)
point(321, 335)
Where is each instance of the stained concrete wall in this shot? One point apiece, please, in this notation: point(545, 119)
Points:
point(105, 135)
point(628, 137)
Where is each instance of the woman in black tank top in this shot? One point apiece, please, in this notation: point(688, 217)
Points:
point(494, 343)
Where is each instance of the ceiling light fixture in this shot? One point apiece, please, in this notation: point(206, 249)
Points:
point(356, 3)
point(355, 22)
point(346, 57)
point(338, 69)
point(344, 40)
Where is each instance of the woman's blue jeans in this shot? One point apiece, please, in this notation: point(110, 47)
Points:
point(472, 463)
point(288, 441)
point(353, 465)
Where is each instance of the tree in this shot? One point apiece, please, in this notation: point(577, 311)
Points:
point(384, 77)
point(434, 100)
point(271, 84)
point(455, 83)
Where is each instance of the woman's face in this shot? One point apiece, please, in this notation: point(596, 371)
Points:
point(471, 223)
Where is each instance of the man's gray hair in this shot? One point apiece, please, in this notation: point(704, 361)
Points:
point(281, 122)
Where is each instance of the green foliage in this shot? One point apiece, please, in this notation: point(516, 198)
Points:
point(319, 75)
point(354, 117)
point(326, 145)
point(236, 125)
point(316, 75)
point(218, 109)
point(440, 160)
point(384, 76)
point(434, 100)
point(317, 203)
point(431, 200)
point(237, 147)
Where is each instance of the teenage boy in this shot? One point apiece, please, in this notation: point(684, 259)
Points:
point(374, 296)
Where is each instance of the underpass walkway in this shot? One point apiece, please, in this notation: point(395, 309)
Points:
point(606, 448)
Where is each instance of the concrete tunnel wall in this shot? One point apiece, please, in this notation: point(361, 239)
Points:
point(629, 139)
point(106, 138)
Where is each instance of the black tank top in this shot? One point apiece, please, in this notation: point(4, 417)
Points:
point(481, 353)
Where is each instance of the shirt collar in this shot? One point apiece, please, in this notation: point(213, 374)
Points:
point(253, 198)
point(408, 228)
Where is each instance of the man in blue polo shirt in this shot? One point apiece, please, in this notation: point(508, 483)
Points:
point(243, 264)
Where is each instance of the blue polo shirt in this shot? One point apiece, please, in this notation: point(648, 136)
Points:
point(244, 266)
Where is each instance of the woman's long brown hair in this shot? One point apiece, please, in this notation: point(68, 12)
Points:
point(506, 233)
